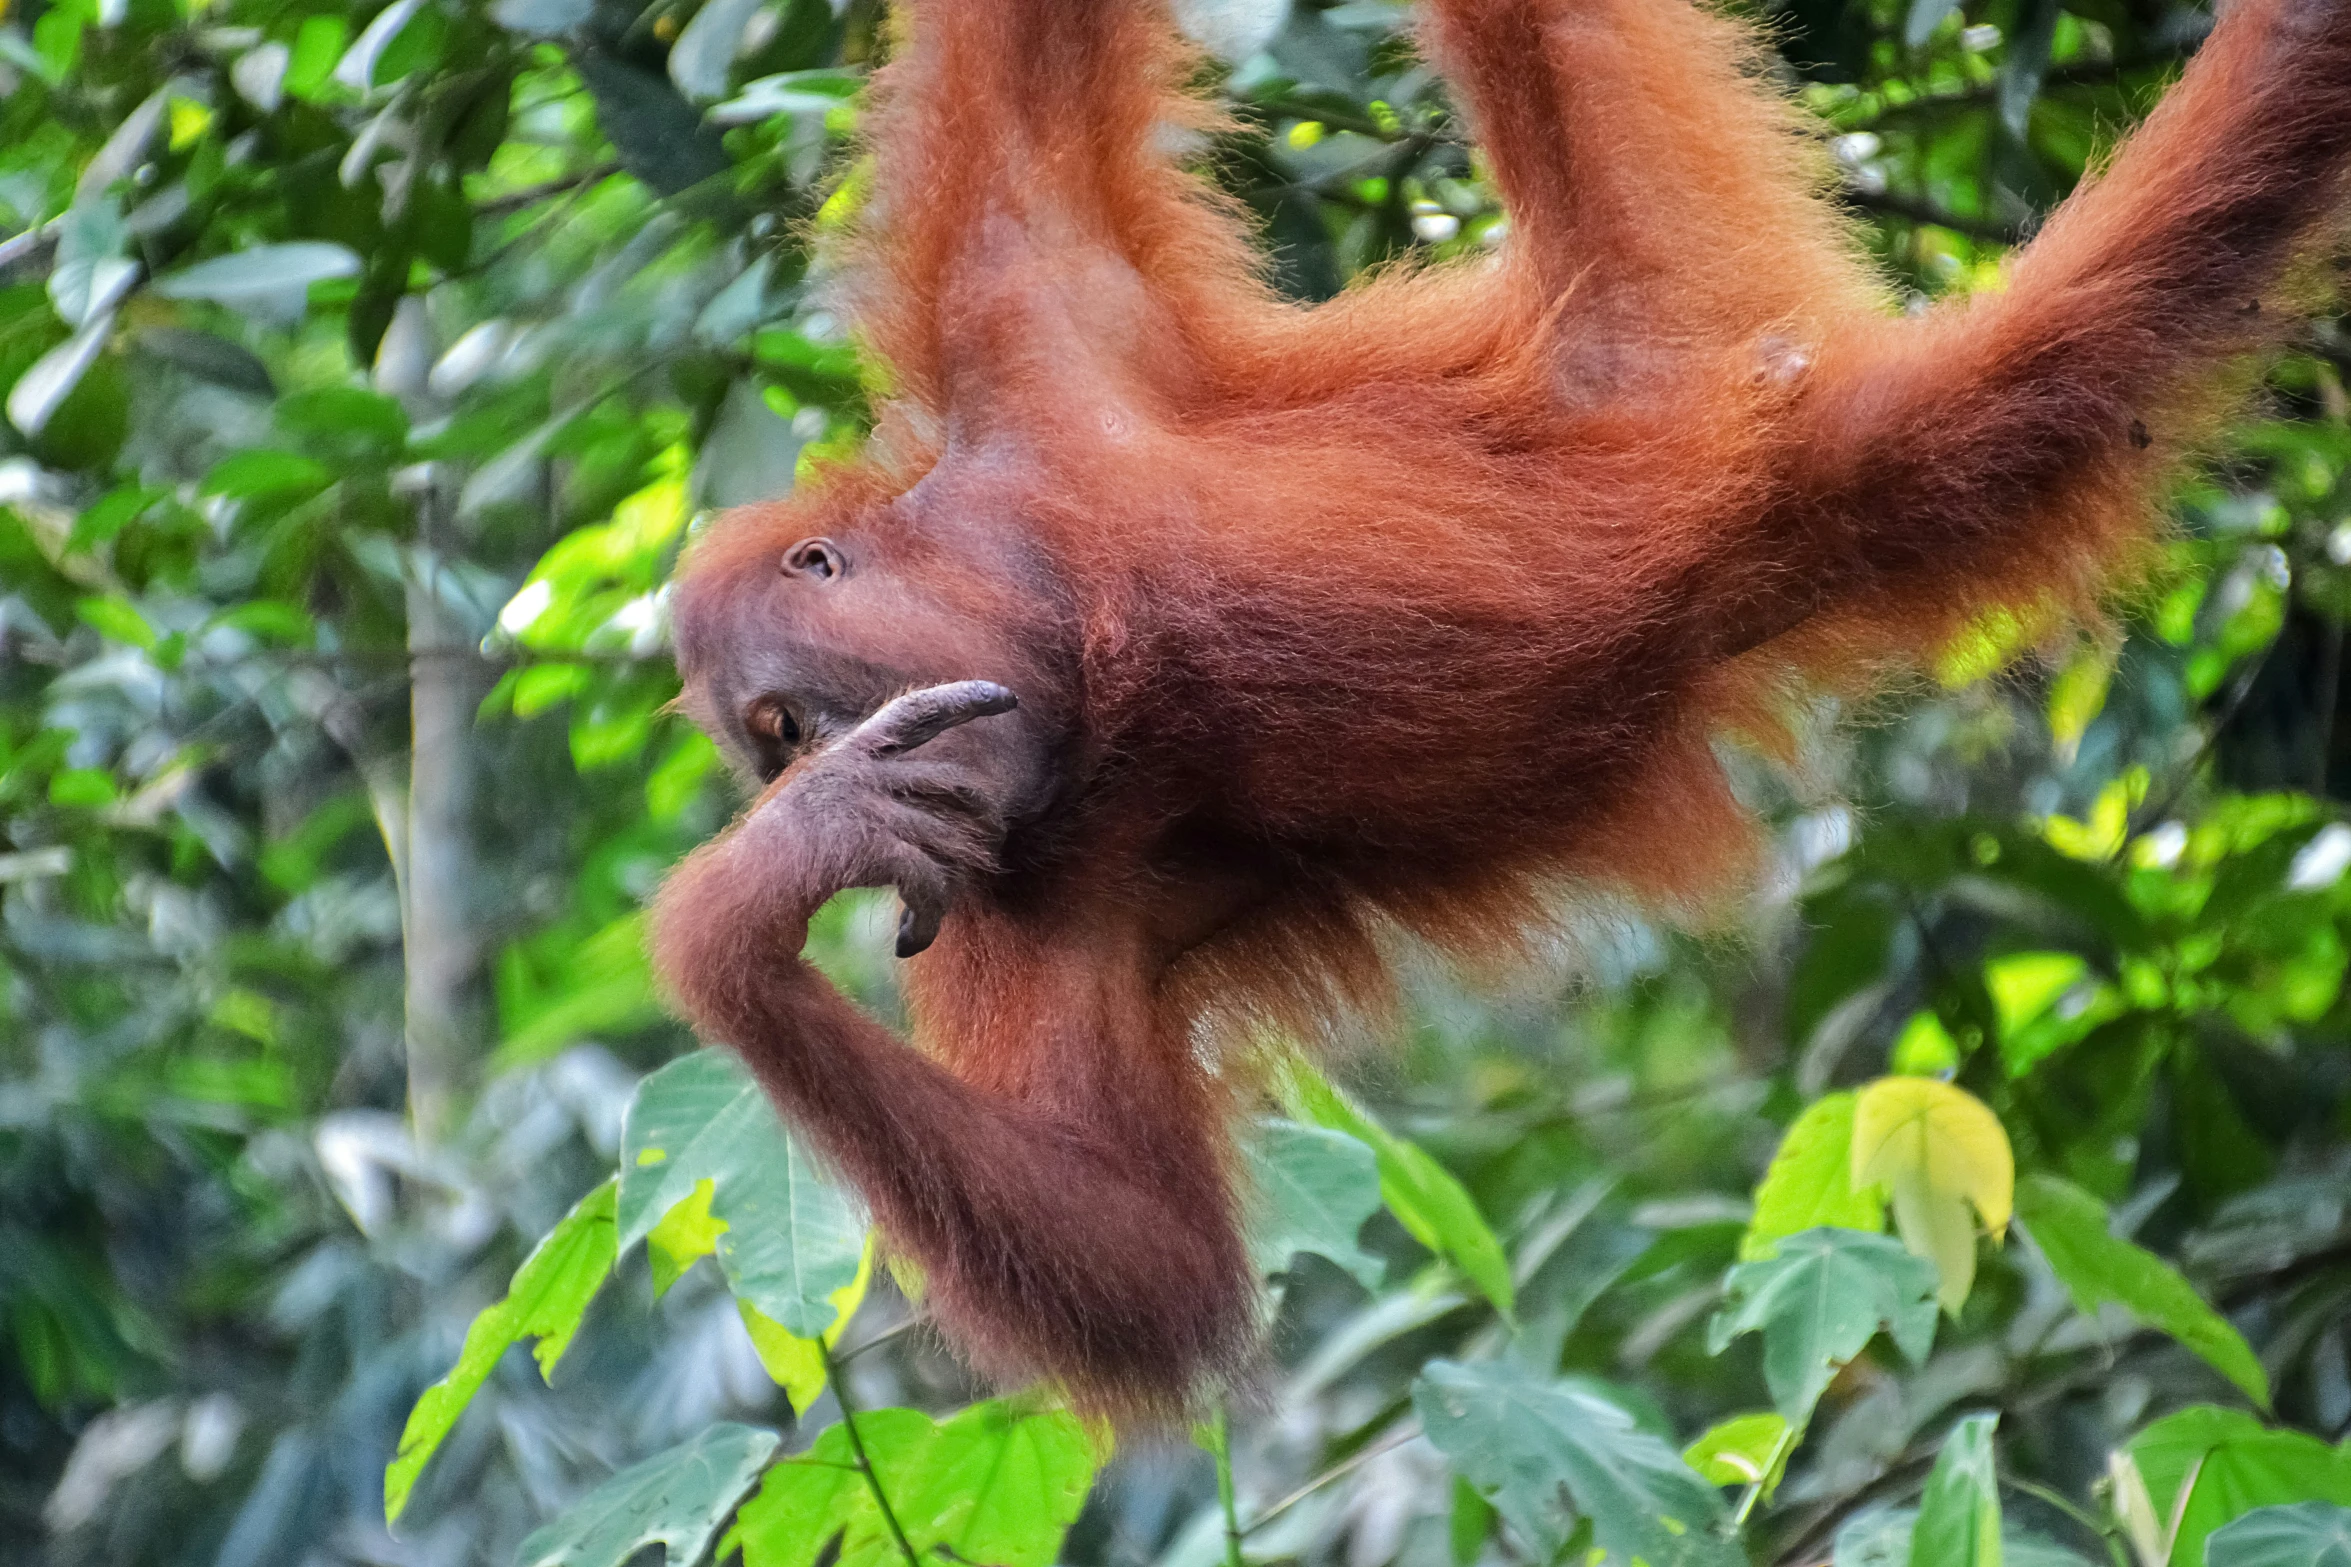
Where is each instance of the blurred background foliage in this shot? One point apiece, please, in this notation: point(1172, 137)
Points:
point(365, 369)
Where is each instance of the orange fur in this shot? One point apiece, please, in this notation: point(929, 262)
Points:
point(1400, 612)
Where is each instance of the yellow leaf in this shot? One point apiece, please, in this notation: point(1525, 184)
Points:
point(795, 1362)
point(1938, 1151)
point(686, 1234)
point(2077, 695)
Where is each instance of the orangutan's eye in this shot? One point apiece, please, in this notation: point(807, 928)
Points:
point(775, 734)
point(818, 558)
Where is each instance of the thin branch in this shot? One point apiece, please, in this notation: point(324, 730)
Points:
point(1220, 1445)
point(1344, 1467)
point(894, 1331)
point(2105, 1531)
point(1886, 204)
point(516, 200)
point(873, 1481)
point(2184, 776)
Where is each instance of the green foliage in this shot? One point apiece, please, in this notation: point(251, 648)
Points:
point(675, 1499)
point(1744, 1450)
point(2304, 1534)
point(2097, 1266)
point(551, 1291)
point(1315, 1187)
point(1560, 1466)
point(791, 1238)
point(1425, 1198)
point(1810, 1182)
point(361, 358)
point(2205, 1467)
point(1818, 1300)
point(995, 1484)
point(1958, 1522)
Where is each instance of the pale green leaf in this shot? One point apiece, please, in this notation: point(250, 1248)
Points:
point(1547, 1456)
point(1959, 1516)
point(1423, 1195)
point(675, 1500)
point(1817, 1301)
point(2306, 1534)
point(259, 273)
point(792, 1237)
point(1314, 1189)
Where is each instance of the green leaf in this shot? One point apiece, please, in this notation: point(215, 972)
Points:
point(792, 1237)
point(675, 1499)
point(260, 273)
point(704, 53)
point(1423, 1195)
point(685, 1235)
point(1315, 1187)
point(545, 1301)
point(997, 1485)
point(1743, 1450)
point(2096, 1266)
point(1000, 1485)
point(1959, 1516)
point(798, 1364)
point(2237, 1464)
point(1817, 1301)
point(1880, 1537)
point(1810, 1182)
point(118, 619)
point(88, 788)
point(812, 1498)
point(2305, 1534)
point(43, 388)
point(247, 474)
point(1547, 1456)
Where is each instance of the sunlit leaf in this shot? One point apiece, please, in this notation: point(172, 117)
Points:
point(2236, 1465)
point(1939, 1152)
point(550, 1292)
point(1810, 1181)
point(1744, 1450)
point(996, 1484)
point(793, 1239)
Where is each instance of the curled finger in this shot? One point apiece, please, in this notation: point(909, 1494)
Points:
point(920, 717)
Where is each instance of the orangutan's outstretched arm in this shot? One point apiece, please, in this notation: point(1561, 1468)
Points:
point(2006, 444)
point(1647, 167)
point(1033, 236)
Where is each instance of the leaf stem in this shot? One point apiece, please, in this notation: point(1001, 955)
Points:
point(1336, 1471)
point(1220, 1446)
point(1771, 1464)
point(2106, 1532)
point(873, 1480)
